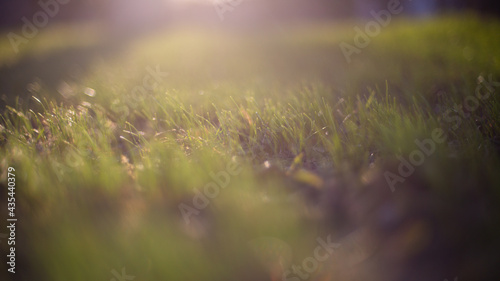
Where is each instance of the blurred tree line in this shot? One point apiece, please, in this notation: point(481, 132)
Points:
point(361, 8)
point(12, 11)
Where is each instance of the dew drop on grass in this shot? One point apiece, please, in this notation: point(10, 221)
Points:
point(34, 87)
point(89, 92)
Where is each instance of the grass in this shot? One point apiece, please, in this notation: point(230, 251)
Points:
point(100, 178)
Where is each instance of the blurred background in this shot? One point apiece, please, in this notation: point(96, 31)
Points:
point(115, 111)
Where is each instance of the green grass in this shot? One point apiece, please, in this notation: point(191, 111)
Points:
point(100, 178)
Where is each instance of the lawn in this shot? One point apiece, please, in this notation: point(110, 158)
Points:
point(199, 154)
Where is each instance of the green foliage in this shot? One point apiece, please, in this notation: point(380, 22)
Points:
point(101, 177)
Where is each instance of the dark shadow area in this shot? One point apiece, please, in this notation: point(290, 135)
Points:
point(49, 74)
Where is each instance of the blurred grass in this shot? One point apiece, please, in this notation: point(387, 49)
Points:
point(100, 177)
